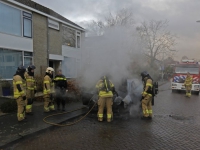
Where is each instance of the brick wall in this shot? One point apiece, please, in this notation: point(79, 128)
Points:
point(55, 41)
point(40, 42)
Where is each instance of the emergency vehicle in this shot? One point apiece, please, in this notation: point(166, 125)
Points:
point(180, 72)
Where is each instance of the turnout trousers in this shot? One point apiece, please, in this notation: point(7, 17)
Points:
point(147, 106)
point(20, 108)
point(29, 101)
point(48, 103)
point(102, 102)
point(188, 90)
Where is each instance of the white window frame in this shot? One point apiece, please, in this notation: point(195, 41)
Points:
point(22, 23)
point(77, 33)
point(53, 22)
point(27, 57)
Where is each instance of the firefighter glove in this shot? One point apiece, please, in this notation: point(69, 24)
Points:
point(24, 98)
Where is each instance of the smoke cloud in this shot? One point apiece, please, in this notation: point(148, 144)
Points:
point(110, 54)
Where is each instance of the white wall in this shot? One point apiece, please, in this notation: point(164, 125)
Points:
point(16, 42)
point(71, 68)
point(71, 52)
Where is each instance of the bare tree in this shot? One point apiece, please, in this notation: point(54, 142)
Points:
point(157, 40)
point(121, 18)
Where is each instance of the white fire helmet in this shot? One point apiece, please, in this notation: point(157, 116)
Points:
point(49, 70)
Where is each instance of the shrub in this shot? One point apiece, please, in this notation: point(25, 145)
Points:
point(73, 86)
point(9, 106)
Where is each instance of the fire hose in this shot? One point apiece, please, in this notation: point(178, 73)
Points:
point(69, 124)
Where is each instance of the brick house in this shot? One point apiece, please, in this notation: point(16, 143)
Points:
point(34, 34)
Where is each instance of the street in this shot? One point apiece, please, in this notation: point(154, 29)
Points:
point(175, 125)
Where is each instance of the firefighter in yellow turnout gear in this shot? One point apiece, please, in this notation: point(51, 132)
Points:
point(48, 90)
point(19, 92)
point(105, 90)
point(188, 85)
point(147, 96)
point(30, 88)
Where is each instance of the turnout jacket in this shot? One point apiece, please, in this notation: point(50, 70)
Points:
point(188, 81)
point(30, 82)
point(101, 86)
point(18, 86)
point(148, 87)
point(60, 82)
point(48, 85)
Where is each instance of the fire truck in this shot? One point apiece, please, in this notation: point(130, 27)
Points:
point(180, 72)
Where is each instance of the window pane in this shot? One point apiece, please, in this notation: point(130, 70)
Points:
point(27, 15)
point(10, 20)
point(10, 60)
point(69, 37)
point(69, 67)
point(27, 61)
point(27, 27)
point(28, 54)
point(78, 41)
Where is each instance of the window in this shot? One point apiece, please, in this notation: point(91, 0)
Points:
point(10, 60)
point(69, 37)
point(10, 20)
point(53, 24)
point(27, 24)
point(192, 70)
point(28, 57)
point(78, 41)
point(69, 67)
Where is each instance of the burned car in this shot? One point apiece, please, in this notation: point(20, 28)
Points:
point(129, 94)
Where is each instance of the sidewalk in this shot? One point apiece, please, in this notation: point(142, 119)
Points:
point(11, 130)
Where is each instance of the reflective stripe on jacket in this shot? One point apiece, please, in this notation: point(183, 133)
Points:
point(60, 82)
point(18, 80)
point(30, 82)
point(188, 81)
point(102, 93)
point(146, 87)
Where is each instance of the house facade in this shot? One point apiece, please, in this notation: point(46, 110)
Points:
point(34, 34)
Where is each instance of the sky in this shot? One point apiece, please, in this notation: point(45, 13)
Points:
point(181, 14)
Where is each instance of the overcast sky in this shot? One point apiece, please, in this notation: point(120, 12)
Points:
point(181, 14)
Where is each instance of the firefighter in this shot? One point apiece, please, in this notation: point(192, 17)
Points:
point(188, 85)
point(147, 96)
point(30, 88)
point(60, 89)
point(48, 90)
point(105, 91)
point(19, 92)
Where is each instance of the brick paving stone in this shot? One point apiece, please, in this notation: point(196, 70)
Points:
point(180, 131)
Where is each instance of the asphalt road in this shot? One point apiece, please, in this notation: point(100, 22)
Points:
point(175, 126)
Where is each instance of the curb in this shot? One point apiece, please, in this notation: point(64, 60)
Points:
point(19, 137)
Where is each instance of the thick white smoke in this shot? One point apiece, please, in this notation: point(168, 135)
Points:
point(111, 53)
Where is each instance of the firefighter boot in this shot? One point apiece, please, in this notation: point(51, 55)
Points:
point(100, 117)
point(109, 117)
